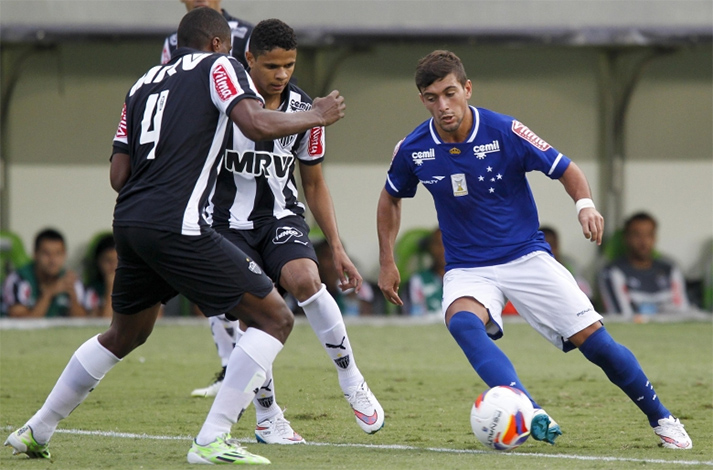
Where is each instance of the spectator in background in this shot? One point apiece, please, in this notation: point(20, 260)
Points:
point(426, 287)
point(552, 237)
point(240, 31)
point(43, 288)
point(100, 280)
point(350, 302)
point(639, 283)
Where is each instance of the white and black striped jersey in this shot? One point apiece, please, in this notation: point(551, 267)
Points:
point(240, 31)
point(256, 183)
point(174, 127)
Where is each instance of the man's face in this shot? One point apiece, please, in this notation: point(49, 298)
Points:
point(191, 4)
point(640, 240)
point(271, 71)
point(447, 101)
point(50, 257)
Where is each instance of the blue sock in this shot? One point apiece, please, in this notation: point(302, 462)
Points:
point(491, 364)
point(624, 371)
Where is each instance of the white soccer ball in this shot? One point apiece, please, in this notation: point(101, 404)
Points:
point(501, 418)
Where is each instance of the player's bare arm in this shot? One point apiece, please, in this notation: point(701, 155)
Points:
point(119, 171)
point(319, 201)
point(576, 185)
point(258, 123)
point(388, 221)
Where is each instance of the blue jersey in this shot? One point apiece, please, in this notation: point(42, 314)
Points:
point(485, 207)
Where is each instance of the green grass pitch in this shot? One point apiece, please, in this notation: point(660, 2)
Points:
point(142, 417)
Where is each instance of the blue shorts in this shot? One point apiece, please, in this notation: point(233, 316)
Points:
point(155, 265)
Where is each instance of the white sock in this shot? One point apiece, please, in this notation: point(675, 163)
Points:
point(87, 366)
point(266, 406)
point(223, 331)
point(247, 370)
point(326, 320)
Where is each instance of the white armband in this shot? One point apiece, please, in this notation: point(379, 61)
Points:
point(583, 204)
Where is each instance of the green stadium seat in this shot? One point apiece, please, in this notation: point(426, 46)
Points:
point(12, 253)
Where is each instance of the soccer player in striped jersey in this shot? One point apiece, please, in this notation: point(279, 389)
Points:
point(256, 206)
point(239, 32)
point(167, 148)
point(474, 163)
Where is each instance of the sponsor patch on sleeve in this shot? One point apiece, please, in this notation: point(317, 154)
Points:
point(121, 133)
point(316, 142)
point(396, 149)
point(522, 131)
point(224, 86)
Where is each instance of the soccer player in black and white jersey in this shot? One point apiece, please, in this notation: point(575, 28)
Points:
point(256, 207)
point(170, 140)
point(239, 31)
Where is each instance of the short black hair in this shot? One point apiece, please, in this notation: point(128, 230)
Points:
point(270, 34)
point(199, 26)
point(639, 217)
point(438, 65)
point(48, 234)
point(105, 243)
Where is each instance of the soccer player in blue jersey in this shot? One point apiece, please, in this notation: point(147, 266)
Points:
point(167, 148)
point(473, 162)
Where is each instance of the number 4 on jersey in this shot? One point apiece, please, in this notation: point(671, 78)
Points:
point(157, 102)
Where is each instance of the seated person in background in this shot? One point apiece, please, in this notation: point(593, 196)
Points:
point(97, 297)
point(637, 283)
point(351, 303)
point(426, 287)
point(552, 237)
point(43, 288)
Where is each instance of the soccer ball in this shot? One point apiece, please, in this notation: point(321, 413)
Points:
point(501, 418)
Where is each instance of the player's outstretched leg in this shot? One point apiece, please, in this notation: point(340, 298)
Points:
point(624, 371)
point(494, 367)
point(326, 320)
point(224, 333)
point(85, 369)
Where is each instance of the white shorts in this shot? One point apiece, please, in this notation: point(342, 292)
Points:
point(542, 290)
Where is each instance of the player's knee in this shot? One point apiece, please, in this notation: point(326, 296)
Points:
point(306, 287)
point(121, 343)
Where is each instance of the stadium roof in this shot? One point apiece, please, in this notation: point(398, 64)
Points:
point(330, 22)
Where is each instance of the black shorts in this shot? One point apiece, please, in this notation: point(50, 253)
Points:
point(155, 265)
point(275, 244)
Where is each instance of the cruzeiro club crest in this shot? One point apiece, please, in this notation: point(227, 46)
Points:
point(253, 267)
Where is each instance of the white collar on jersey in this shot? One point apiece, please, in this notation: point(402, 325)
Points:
point(476, 125)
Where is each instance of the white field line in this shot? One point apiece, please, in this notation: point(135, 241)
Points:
point(127, 435)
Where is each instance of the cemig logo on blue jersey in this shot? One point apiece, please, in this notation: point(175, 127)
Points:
point(482, 151)
point(419, 157)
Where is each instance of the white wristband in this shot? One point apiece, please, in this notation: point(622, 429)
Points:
point(583, 204)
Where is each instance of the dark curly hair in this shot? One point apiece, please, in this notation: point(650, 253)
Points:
point(271, 34)
point(436, 66)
